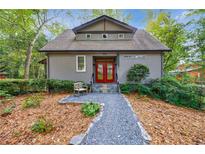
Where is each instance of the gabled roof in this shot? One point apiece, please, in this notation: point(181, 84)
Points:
point(101, 18)
point(142, 41)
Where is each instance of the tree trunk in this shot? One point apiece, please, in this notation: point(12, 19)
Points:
point(29, 54)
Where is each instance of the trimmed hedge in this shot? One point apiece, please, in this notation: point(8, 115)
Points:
point(20, 86)
point(60, 85)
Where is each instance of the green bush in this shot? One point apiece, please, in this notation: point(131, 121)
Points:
point(90, 109)
point(137, 73)
point(128, 88)
point(174, 92)
point(32, 101)
point(42, 126)
point(60, 85)
point(20, 86)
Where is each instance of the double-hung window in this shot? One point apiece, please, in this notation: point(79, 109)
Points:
point(80, 63)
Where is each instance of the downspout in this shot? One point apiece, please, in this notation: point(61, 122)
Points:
point(162, 68)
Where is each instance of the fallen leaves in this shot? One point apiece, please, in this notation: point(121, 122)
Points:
point(67, 120)
point(169, 124)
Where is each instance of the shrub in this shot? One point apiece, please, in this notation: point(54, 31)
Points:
point(20, 86)
point(137, 73)
point(60, 85)
point(90, 109)
point(128, 88)
point(173, 92)
point(32, 101)
point(42, 126)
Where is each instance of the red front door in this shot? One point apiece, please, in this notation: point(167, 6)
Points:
point(105, 72)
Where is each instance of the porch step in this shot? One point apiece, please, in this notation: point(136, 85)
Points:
point(104, 88)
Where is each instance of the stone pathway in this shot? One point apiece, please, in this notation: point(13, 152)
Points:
point(118, 124)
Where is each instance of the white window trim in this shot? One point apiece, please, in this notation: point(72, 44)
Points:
point(106, 35)
point(87, 35)
point(84, 70)
point(121, 37)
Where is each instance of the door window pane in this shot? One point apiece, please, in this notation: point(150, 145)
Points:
point(100, 72)
point(109, 71)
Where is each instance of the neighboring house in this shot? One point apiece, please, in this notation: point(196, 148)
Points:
point(193, 70)
point(102, 50)
point(3, 75)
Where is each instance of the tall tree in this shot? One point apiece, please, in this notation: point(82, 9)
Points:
point(23, 28)
point(86, 15)
point(197, 38)
point(172, 34)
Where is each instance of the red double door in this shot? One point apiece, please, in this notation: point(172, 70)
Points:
point(105, 72)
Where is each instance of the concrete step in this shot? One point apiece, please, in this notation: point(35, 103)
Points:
point(105, 88)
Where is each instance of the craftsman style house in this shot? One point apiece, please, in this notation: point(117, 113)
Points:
point(102, 51)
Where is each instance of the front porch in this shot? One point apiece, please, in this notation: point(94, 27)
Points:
point(105, 69)
point(104, 77)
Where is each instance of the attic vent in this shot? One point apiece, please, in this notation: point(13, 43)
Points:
point(88, 36)
point(120, 36)
point(104, 36)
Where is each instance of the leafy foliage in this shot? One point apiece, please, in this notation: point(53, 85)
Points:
point(60, 85)
point(21, 86)
point(170, 90)
point(32, 101)
point(42, 126)
point(173, 35)
point(137, 73)
point(127, 88)
point(90, 109)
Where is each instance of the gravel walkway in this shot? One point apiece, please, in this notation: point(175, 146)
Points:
point(118, 125)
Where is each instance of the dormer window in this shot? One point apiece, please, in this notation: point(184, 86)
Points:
point(104, 36)
point(88, 36)
point(120, 36)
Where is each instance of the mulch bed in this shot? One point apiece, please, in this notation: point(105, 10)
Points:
point(169, 124)
point(67, 120)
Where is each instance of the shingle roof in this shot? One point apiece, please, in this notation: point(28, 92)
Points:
point(142, 41)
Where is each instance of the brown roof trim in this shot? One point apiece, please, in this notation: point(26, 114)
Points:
point(103, 17)
point(167, 50)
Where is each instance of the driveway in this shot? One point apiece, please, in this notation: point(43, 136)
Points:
point(118, 124)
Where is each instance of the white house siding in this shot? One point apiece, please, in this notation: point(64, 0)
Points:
point(152, 61)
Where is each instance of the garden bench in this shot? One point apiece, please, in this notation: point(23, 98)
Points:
point(80, 88)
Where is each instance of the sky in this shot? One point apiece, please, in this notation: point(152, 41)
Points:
point(138, 17)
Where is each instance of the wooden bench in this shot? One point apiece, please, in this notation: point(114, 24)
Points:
point(80, 88)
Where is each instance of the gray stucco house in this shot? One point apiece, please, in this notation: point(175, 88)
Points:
point(102, 51)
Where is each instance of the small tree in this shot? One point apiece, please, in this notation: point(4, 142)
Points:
point(137, 73)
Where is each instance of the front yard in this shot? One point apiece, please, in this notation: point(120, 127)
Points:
point(169, 124)
point(67, 121)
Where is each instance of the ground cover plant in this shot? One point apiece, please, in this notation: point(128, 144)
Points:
point(32, 101)
point(42, 126)
point(90, 109)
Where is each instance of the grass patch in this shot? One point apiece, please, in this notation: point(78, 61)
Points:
point(90, 109)
point(32, 101)
point(42, 126)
